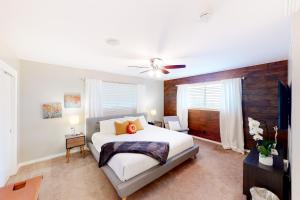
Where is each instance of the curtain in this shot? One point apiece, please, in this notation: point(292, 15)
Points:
point(231, 117)
point(93, 98)
point(141, 100)
point(182, 105)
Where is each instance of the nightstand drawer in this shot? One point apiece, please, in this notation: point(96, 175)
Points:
point(75, 142)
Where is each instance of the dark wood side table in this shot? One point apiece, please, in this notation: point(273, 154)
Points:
point(73, 141)
point(273, 178)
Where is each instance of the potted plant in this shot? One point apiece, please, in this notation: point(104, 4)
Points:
point(264, 147)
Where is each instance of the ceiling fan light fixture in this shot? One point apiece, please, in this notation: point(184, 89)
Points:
point(158, 74)
point(151, 73)
point(157, 62)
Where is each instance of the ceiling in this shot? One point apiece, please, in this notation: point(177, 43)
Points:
point(73, 33)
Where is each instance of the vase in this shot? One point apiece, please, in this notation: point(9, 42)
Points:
point(266, 160)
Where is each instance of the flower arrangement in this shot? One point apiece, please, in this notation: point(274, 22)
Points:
point(264, 147)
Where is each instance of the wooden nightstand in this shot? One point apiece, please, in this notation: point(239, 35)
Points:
point(75, 141)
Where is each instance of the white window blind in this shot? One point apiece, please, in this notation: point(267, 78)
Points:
point(119, 99)
point(206, 95)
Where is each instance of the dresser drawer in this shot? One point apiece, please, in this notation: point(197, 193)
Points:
point(75, 142)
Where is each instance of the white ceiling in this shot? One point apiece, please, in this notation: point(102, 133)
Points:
point(73, 32)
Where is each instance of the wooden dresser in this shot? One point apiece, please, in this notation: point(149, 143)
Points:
point(273, 178)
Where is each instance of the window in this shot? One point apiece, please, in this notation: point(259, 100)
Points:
point(119, 99)
point(206, 95)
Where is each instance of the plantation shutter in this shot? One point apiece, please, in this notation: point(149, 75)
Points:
point(205, 95)
point(119, 99)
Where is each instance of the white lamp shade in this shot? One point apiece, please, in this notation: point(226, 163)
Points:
point(74, 120)
point(153, 112)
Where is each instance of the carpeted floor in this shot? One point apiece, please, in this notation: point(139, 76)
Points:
point(216, 174)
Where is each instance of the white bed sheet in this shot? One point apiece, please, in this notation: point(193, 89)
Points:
point(128, 165)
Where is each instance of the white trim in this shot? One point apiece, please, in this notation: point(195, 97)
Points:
point(13, 73)
point(46, 158)
point(214, 142)
point(206, 140)
point(5, 67)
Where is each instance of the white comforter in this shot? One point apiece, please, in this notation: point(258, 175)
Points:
point(128, 165)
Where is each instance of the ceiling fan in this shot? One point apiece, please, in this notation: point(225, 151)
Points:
point(157, 67)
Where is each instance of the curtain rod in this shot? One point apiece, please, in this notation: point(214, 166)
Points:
point(243, 78)
point(83, 79)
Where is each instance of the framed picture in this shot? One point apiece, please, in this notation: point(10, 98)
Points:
point(72, 101)
point(52, 110)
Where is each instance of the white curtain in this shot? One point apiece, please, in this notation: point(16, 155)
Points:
point(93, 98)
point(231, 117)
point(182, 105)
point(141, 100)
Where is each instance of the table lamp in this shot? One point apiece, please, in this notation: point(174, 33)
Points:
point(153, 113)
point(74, 120)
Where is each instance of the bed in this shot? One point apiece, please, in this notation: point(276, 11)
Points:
point(129, 172)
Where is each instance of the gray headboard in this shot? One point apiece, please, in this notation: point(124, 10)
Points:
point(92, 125)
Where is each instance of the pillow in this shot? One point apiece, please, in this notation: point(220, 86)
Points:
point(142, 119)
point(108, 126)
point(174, 125)
point(121, 127)
point(137, 124)
point(131, 128)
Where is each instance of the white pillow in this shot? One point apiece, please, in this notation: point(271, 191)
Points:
point(174, 125)
point(141, 118)
point(108, 126)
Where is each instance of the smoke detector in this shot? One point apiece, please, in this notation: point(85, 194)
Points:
point(112, 41)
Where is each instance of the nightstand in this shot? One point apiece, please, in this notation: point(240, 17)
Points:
point(73, 141)
point(156, 123)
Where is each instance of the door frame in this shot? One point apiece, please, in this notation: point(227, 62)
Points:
point(13, 72)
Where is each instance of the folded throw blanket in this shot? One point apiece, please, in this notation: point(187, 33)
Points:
point(156, 150)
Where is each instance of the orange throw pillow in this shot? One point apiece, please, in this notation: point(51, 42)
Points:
point(131, 128)
point(121, 127)
point(138, 124)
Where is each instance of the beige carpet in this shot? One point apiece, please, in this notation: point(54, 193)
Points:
point(216, 174)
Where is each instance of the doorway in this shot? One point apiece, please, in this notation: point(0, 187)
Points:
point(8, 122)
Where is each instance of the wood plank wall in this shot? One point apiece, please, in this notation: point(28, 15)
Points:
point(259, 100)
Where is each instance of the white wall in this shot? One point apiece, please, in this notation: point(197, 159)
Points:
point(295, 140)
point(45, 83)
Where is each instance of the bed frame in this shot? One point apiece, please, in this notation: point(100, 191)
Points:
point(124, 189)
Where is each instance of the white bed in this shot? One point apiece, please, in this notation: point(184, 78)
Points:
point(128, 165)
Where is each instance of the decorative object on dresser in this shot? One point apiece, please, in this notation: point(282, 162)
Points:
point(266, 148)
point(25, 190)
point(73, 141)
point(173, 123)
point(273, 178)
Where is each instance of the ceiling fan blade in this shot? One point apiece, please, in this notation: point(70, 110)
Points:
point(174, 66)
point(139, 66)
point(164, 71)
point(145, 71)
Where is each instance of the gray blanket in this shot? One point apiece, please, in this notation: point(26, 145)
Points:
point(156, 150)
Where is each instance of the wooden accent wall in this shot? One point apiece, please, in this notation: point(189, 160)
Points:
point(259, 99)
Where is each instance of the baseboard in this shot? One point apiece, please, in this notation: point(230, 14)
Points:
point(45, 158)
point(206, 140)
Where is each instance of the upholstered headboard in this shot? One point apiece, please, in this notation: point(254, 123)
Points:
point(92, 124)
